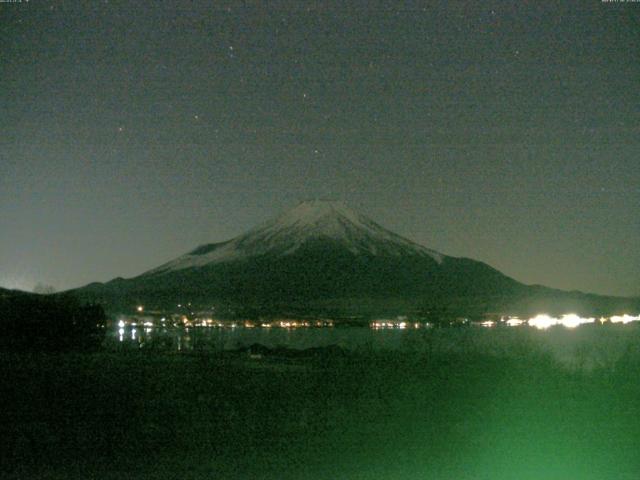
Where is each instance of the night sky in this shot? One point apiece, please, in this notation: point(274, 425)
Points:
point(508, 132)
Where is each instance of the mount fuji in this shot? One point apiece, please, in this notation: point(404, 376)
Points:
point(323, 258)
point(310, 223)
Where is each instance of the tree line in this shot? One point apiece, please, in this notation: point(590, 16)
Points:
point(30, 322)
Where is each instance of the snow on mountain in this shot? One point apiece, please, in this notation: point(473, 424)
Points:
point(309, 221)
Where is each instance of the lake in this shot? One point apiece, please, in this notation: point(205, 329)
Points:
point(585, 347)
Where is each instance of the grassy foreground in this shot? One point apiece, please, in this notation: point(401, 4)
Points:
point(336, 416)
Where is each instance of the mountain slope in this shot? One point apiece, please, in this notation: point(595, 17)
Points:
point(322, 250)
point(320, 257)
point(297, 229)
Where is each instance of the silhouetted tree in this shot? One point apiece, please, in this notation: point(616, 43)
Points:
point(50, 323)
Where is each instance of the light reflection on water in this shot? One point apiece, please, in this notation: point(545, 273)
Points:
point(218, 339)
point(586, 347)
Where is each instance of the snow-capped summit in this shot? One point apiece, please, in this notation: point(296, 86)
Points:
point(313, 220)
point(310, 213)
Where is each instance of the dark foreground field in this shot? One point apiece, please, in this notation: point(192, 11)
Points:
point(327, 416)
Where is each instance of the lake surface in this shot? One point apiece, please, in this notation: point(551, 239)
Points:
point(219, 339)
point(584, 347)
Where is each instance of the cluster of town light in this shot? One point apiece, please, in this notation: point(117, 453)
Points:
point(209, 322)
point(541, 321)
point(624, 319)
point(185, 322)
point(570, 320)
point(402, 325)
